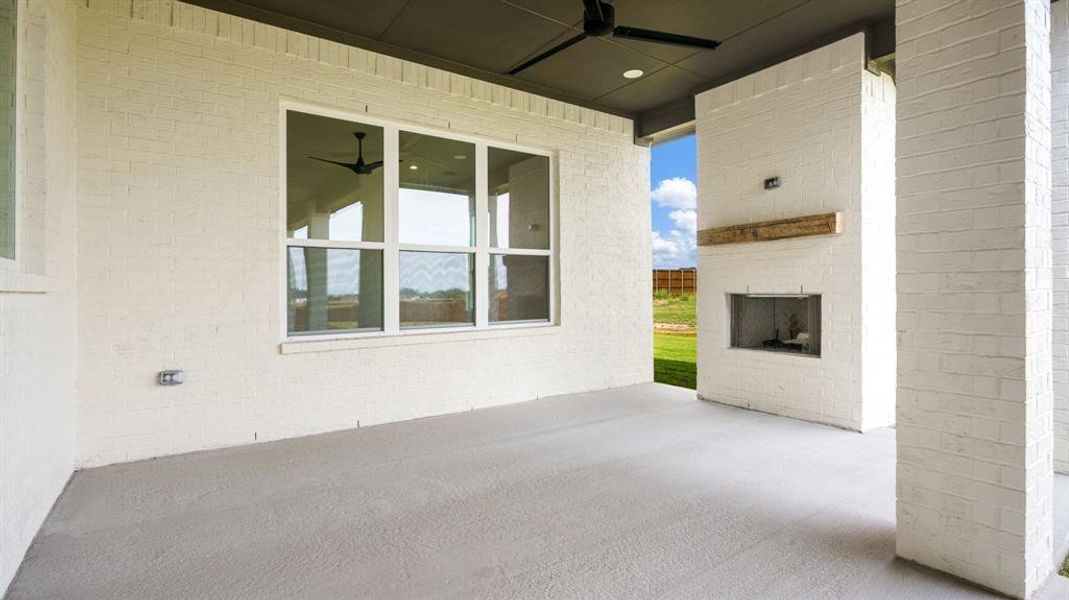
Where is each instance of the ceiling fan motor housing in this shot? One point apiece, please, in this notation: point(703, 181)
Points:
point(595, 27)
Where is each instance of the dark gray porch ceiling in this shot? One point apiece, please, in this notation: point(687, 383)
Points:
point(485, 38)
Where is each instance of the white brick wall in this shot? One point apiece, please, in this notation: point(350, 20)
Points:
point(179, 240)
point(37, 299)
point(1059, 46)
point(826, 127)
point(974, 295)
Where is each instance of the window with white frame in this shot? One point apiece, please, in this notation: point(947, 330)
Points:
point(391, 229)
point(8, 40)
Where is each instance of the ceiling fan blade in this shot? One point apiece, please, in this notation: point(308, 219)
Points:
point(593, 11)
point(660, 37)
point(371, 166)
point(333, 162)
point(543, 56)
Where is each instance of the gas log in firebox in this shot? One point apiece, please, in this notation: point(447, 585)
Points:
point(776, 322)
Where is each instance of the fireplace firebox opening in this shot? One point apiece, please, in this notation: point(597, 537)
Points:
point(776, 322)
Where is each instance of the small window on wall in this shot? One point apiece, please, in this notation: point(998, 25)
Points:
point(519, 236)
point(391, 230)
point(334, 222)
point(8, 38)
point(436, 231)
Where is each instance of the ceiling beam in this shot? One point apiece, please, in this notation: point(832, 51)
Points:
point(665, 122)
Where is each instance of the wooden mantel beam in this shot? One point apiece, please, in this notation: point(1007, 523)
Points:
point(825, 224)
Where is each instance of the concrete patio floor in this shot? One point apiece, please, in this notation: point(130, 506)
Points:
point(639, 492)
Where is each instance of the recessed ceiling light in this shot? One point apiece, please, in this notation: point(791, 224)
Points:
point(413, 167)
point(633, 73)
point(459, 156)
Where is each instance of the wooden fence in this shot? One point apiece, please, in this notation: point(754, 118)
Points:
point(675, 281)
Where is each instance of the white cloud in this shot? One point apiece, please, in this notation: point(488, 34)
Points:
point(685, 220)
point(677, 192)
point(677, 249)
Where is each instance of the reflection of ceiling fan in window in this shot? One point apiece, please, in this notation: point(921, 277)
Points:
point(359, 167)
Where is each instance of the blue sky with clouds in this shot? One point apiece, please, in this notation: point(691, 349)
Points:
point(673, 175)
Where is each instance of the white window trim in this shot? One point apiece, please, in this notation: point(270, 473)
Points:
point(10, 277)
point(391, 248)
point(14, 279)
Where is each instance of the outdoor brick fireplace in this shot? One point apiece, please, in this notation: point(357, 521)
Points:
point(796, 286)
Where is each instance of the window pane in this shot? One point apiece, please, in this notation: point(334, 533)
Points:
point(519, 288)
point(7, 128)
point(436, 289)
point(519, 199)
point(327, 201)
point(334, 289)
point(437, 196)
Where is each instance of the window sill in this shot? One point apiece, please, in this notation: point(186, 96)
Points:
point(15, 282)
point(358, 341)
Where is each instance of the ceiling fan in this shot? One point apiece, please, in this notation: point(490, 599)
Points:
point(599, 20)
point(359, 167)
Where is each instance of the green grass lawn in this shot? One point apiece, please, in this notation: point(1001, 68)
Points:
point(675, 359)
point(680, 311)
point(675, 352)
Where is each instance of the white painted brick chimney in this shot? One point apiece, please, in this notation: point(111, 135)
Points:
point(826, 127)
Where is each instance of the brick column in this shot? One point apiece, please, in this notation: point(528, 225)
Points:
point(974, 290)
point(1059, 50)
